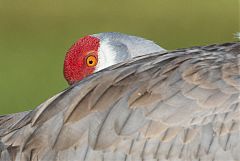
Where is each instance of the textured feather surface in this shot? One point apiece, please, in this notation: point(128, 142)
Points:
point(177, 106)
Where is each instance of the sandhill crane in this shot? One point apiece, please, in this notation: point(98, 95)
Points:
point(181, 105)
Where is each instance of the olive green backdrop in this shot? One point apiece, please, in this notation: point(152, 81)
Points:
point(34, 36)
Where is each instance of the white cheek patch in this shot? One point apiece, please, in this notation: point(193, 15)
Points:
point(106, 56)
point(237, 35)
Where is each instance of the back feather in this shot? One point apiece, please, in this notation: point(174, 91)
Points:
point(181, 105)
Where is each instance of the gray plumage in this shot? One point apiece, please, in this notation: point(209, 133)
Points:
point(137, 46)
point(117, 47)
point(177, 106)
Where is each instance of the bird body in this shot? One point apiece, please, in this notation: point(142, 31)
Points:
point(174, 106)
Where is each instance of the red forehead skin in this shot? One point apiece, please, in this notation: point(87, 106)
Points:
point(75, 68)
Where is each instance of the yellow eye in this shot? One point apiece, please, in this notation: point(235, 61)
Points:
point(91, 61)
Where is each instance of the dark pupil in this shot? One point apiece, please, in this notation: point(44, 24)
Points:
point(90, 61)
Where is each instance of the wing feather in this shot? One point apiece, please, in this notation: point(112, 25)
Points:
point(181, 105)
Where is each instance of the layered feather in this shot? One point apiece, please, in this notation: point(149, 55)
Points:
point(181, 105)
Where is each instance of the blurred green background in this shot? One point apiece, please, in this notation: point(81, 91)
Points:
point(34, 36)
